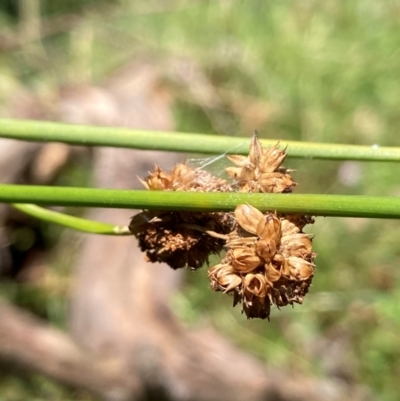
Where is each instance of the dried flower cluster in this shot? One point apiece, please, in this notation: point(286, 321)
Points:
point(269, 260)
point(261, 171)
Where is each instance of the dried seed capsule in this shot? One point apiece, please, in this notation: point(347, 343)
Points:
point(219, 269)
point(234, 172)
point(272, 273)
point(242, 174)
point(248, 217)
point(300, 268)
point(182, 176)
point(244, 259)
point(296, 245)
point(269, 227)
point(266, 249)
point(281, 264)
point(255, 284)
point(229, 282)
point(276, 183)
point(288, 227)
point(159, 180)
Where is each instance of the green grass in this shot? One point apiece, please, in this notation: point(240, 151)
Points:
point(307, 71)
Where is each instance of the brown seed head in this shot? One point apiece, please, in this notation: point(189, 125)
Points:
point(269, 260)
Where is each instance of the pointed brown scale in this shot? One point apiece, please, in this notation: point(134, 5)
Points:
point(247, 174)
point(296, 245)
point(266, 249)
point(300, 269)
point(234, 172)
point(143, 182)
point(217, 274)
point(272, 273)
point(159, 180)
point(239, 160)
point(282, 265)
point(248, 217)
point(269, 227)
point(244, 260)
point(240, 242)
point(256, 149)
point(219, 269)
point(271, 159)
point(182, 176)
point(276, 183)
point(289, 227)
point(229, 282)
point(242, 174)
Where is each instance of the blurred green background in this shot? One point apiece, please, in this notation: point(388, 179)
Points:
point(302, 70)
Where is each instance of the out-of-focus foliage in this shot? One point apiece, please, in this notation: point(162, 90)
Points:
point(311, 71)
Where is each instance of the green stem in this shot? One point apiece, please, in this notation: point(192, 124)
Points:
point(323, 205)
point(77, 223)
point(181, 142)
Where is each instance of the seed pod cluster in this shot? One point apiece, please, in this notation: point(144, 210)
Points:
point(184, 178)
point(182, 239)
point(261, 170)
point(268, 260)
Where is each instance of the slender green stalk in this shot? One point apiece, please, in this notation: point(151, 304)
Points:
point(181, 142)
point(323, 205)
point(77, 223)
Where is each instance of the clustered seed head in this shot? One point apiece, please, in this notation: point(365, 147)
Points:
point(184, 178)
point(269, 259)
point(181, 239)
point(261, 171)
